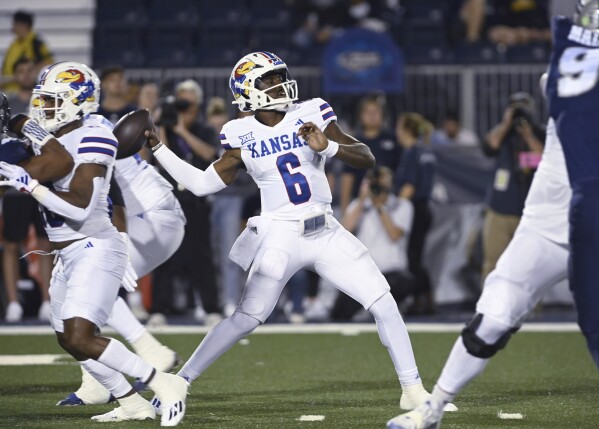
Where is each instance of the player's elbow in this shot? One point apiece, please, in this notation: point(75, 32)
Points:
point(370, 160)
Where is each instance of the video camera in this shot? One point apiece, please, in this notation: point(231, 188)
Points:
point(170, 107)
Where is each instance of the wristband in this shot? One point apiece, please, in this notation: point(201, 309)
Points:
point(155, 148)
point(330, 150)
point(34, 132)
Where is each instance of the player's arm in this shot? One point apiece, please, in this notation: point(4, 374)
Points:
point(76, 203)
point(216, 177)
point(119, 213)
point(53, 163)
point(343, 146)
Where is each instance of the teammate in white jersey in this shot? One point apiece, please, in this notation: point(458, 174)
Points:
point(284, 147)
point(155, 225)
point(92, 256)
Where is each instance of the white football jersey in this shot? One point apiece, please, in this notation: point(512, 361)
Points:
point(548, 201)
point(288, 172)
point(141, 185)
point(88, 144)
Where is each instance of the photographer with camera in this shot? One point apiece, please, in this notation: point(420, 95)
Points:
point(382, 221)
point(190, 138)
point(517, 143)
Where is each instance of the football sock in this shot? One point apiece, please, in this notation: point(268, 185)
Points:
point(394, 335)
point(112, 380)
point(220, 339)
point(120, 358)
point(124, 322)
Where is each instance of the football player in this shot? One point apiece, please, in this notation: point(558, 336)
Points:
point(284, 146)
point(92, 256)
point(543, 239)
point(155, 225)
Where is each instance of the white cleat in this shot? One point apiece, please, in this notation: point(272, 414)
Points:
point(423, 417)
point(171, 390)
point(413, 396)
point(45, 312)
point(141, 411)
point(14, 312)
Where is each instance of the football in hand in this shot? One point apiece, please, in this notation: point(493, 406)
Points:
point(130, 132)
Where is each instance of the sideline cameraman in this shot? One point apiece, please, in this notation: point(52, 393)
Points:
point(382, 222)
point(182, 130)
point(517, 142)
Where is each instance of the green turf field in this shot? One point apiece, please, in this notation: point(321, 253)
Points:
point(277, 378)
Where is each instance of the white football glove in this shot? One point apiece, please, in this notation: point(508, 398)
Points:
point(130, 278)
point(17, 177)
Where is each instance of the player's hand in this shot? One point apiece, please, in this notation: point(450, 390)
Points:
point(314, 136)
point(152, 137)
point(16, 177)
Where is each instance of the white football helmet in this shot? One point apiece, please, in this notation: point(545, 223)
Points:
point(245, 79)
point(66, 91)
point(587, 14)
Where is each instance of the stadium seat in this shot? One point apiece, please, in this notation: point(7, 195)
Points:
point(174, 12)
point(478, 53)
point(221, 45)
point(423, 31)
point(110, 49)
point(271, 36)
point(530, 53)
point(171, 46)
point(219, 12)
point(428, 55)
point(131, 12)
point(268, 11)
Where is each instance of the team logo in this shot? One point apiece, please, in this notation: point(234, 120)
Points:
point(244, 68)
point(70, 76)
point(247, 138)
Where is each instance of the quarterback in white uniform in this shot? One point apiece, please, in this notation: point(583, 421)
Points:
point(92, 255)
point(535, 260)
point(155, 229)
point(284, 147)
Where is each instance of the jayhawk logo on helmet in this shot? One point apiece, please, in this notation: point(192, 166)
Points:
point(70, 76)
point(239, 78)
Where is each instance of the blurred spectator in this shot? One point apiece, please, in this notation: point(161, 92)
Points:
point(517, 142)
point(414, 181)
point(452, 133)
point(27, 44)
point(466, 19)
point(515, 22)
point(379, 139)
point(227, 206)
point(114, 103)
point(24, 77)
point(382, 222)
point(317, 21)
point(183, 131)
point(149, 99)
point(216, 113)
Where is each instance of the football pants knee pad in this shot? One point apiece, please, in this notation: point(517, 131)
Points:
point(273, 264)
point(477, 346)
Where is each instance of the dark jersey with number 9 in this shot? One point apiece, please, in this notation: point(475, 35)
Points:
point(573, 94)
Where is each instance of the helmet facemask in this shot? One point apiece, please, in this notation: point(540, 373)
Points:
point(587, 14)
point(269, 94)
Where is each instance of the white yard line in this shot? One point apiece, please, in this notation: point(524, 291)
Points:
point(325, 328)
point(311, 418)
point(21, 360)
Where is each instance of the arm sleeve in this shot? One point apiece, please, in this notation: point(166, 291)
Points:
point(59, 206)
point(322, 113)
point(199, 182)
point(115, 194)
